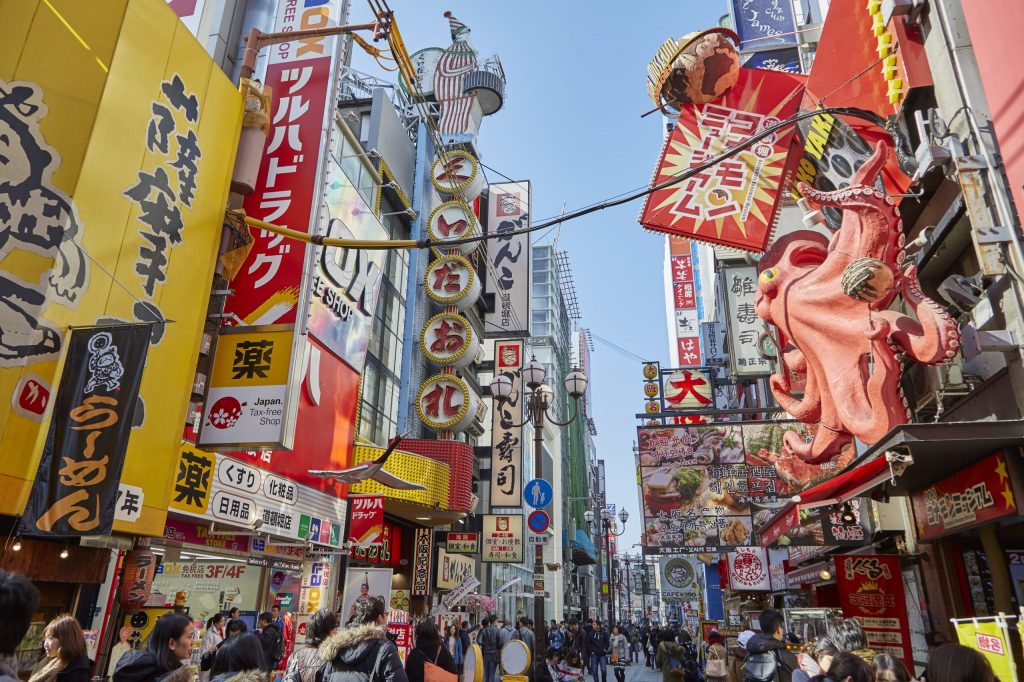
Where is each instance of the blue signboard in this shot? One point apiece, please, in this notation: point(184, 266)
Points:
point(763, 24)
point(538, 493)
point(787, 60)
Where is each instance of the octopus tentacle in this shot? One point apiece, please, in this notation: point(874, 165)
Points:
point(807, 409)
point(879, 389)
point(827, 443)
point(934, 336)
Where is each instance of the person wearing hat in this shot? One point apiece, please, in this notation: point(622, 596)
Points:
point(739, 654)
point(715, 667)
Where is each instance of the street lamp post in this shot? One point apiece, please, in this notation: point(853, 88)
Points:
point(629, 595)
point(537, 405)
point(604, 527)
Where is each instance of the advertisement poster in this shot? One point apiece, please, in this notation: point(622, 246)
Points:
point(682, 579)
point(452, 569)
point(363, 583)
point(991, 637)
point(367, 522)
point(708, 488)
point(507, 430)
point(503, 538)
point(245, 403)
point(871, 590)
point(978, 494)
point(732, 203)
point(209, 586)
point(763, 23)
point(75, 490)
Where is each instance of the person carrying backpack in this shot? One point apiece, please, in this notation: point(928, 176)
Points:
point(272, 641)
point(363, 652)
point(671, 659)
point(768, 660)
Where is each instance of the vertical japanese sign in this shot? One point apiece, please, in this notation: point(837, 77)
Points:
point(76, 487)
point(712, 343)
point(503, 538)
point(762, 24)
point(871, 590)
point(684, 302)
point(245, 404)
point(367, 521)
point(422, 550)
point(301, 75)
point(734, 202)
point(506, 436)
point(992, 639)
point(746, 329)
point(508, 210)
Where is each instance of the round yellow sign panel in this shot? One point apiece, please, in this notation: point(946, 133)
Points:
point(515, 657)
point(473, 665)
point(651, 389)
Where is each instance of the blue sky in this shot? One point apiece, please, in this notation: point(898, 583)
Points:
point(571, 125)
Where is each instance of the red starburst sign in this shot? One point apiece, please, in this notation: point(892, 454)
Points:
point(733, 203)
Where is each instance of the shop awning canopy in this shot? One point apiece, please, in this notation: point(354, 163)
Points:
point(908, 458)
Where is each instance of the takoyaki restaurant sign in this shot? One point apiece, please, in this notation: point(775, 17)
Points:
point(707, 488)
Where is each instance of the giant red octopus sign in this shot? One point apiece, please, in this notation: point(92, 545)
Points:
point(829, 298)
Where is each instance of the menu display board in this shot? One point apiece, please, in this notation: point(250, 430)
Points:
point(707, 488)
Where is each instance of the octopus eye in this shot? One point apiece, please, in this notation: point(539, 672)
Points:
point(769, 274)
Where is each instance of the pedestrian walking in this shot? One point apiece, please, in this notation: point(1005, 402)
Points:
point(716, 667)
point(272, 640)
point(598, 644)
point(363, 648)
point(671, 659)
point(556, 637)
point(240, 659)
point(64, 648)
point(490, 646)
point(305, 662)
point(634, 645)
point(212, 638)
point(429, 650)
point(619, 648)
point(170, 643)
point(18, 601)
point(454, 644)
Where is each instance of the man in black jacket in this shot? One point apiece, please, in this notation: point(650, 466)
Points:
point(271, 641)
point(598, 643)
point(490, 646)
point(767, 653)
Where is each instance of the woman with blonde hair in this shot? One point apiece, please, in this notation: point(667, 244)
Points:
point(65, 659)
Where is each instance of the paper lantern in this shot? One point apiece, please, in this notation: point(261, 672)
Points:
point(139, 571)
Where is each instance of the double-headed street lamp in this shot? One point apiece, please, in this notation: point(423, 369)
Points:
point(604, 526)
point(537, 404)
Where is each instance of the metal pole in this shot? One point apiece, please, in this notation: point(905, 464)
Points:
point(629, 595)
point(644, 600)
point(608, 554)
point(540, 640)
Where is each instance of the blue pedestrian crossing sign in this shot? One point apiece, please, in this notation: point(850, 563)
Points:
point(539, 493)
point(538, 521)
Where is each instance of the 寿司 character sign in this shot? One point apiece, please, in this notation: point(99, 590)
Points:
point(453, 220)
point(452, 280)
point(732, 203)
point(448, 340)
point(446, 403)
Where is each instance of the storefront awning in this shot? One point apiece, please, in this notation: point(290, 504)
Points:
point(908, 458)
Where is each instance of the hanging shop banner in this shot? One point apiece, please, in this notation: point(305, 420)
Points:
point(682, 578)
point(787, 60)
point(246, 403)
point(990, 637)
point(461, 591)
point(346, 282)
point(301, 76)
point(507, 430)
point(763, 23)
point(463, 543)
point(685, 290)
point(453, 569)
point(508, 211)
point(387, 551)
point(712, 342)
point(224, 489)
point(734, 202)
point(871, 590)
point(362, 584)
point(707, 488)
point(367, 521)
point(976, 495)
point(116, 173)
point(423, 551)
point(749, 570)
point(503, 538)
point(76, 488)
point(777, 560)
point(745, 328)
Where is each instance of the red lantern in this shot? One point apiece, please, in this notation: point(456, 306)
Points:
point(139, 571)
